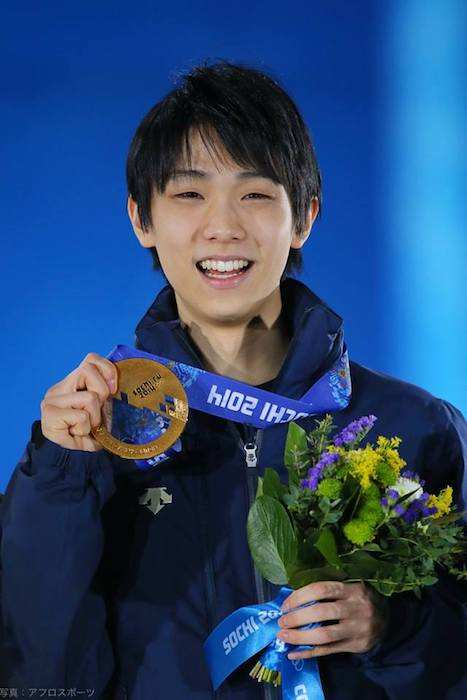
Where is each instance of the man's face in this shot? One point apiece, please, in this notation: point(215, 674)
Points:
point(223, 236)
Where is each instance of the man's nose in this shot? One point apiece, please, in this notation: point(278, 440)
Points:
point(222, 223)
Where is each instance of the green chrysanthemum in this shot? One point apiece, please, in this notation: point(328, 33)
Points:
point(370, 510)
point(330, 487)
point(371, 513)
point(372, 494)
point(358, 532)
point(385, 474)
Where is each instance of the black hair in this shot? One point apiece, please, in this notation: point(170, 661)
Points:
point(257, 122)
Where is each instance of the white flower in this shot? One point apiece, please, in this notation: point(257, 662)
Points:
point(404, 485)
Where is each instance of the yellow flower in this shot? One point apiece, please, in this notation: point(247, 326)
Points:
point(336, 449)
point(385, 442)
point(387, 449)
point(363, 463)
point(442, 502)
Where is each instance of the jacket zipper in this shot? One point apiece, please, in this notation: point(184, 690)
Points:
point(251, 449)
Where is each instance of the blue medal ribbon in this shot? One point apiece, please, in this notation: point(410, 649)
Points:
point(248, 630)
point(237, 401)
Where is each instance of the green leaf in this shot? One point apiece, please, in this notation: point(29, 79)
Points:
point(296, 451)
point(372, 547)
point(272, 485)
point(295, 443)
point(450, 517)
point(288, 499)
point(309, 557)
point(326, 544)
point(386, 588)
point(360, 564)
point(303, 577)
point(271, 539)
point(259, 488)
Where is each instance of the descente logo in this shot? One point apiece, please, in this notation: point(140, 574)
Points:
point(155, 499)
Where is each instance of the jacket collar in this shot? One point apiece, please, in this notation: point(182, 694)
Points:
point(317, 338)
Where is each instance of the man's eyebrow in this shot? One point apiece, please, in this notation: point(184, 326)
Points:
point(243, 175)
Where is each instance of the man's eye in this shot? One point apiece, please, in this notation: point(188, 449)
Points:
point(193, 195)
point(185, 195)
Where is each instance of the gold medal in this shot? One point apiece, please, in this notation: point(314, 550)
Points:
point(145, 384)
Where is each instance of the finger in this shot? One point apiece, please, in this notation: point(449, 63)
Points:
point(319, 635)
point(323, 650)
point(90, 376)
point(320, 612)
point(107, 368)
point(53, 407)
point(75, 421)
point(86, 376)
point(314, 591)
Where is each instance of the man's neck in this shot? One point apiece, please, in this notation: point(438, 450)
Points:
point(252, 351)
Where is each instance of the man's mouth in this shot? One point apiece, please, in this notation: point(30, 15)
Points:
point(223, 269)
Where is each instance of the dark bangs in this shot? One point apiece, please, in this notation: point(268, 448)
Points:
point(254, 119)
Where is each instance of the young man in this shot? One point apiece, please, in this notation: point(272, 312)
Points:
point(113, 577)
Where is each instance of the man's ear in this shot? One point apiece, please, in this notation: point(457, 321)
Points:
point(299, 238)
point(145, 237)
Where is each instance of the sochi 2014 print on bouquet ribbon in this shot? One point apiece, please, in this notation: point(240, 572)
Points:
point(252, 629)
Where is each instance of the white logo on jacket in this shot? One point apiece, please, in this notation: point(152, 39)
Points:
point(155, 499)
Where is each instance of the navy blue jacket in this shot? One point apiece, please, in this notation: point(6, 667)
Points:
point(113, 577)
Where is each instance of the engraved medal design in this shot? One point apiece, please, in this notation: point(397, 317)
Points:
point(147, 414)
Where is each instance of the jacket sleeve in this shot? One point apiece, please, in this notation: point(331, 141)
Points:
point(53, 607)
point(423, 652)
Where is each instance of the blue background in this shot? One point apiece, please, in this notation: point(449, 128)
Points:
point(381, 88)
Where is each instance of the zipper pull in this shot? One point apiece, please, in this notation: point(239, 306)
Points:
point(250, 454)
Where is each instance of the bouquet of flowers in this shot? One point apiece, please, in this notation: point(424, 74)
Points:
point(351, 513)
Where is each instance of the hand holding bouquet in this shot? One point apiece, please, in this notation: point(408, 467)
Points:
point(351, 514)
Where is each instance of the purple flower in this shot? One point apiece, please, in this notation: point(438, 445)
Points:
point(328, 458)
point(352, 431)
point(313, 479)
point(315, 473)
point(367, 422)
point(393, 494)
point(417, 509)
point(384, 502)
point(399, 509)
point(414, 511)
point(409, 475)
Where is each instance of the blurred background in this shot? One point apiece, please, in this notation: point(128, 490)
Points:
point(381, 86)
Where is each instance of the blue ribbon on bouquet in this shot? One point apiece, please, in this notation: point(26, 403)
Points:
point(228, 398)
point(248, 630)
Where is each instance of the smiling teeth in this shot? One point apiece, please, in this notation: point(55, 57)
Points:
point(223, 265)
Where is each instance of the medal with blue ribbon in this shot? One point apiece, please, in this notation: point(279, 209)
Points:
point(247, 631)
point(146, 419)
